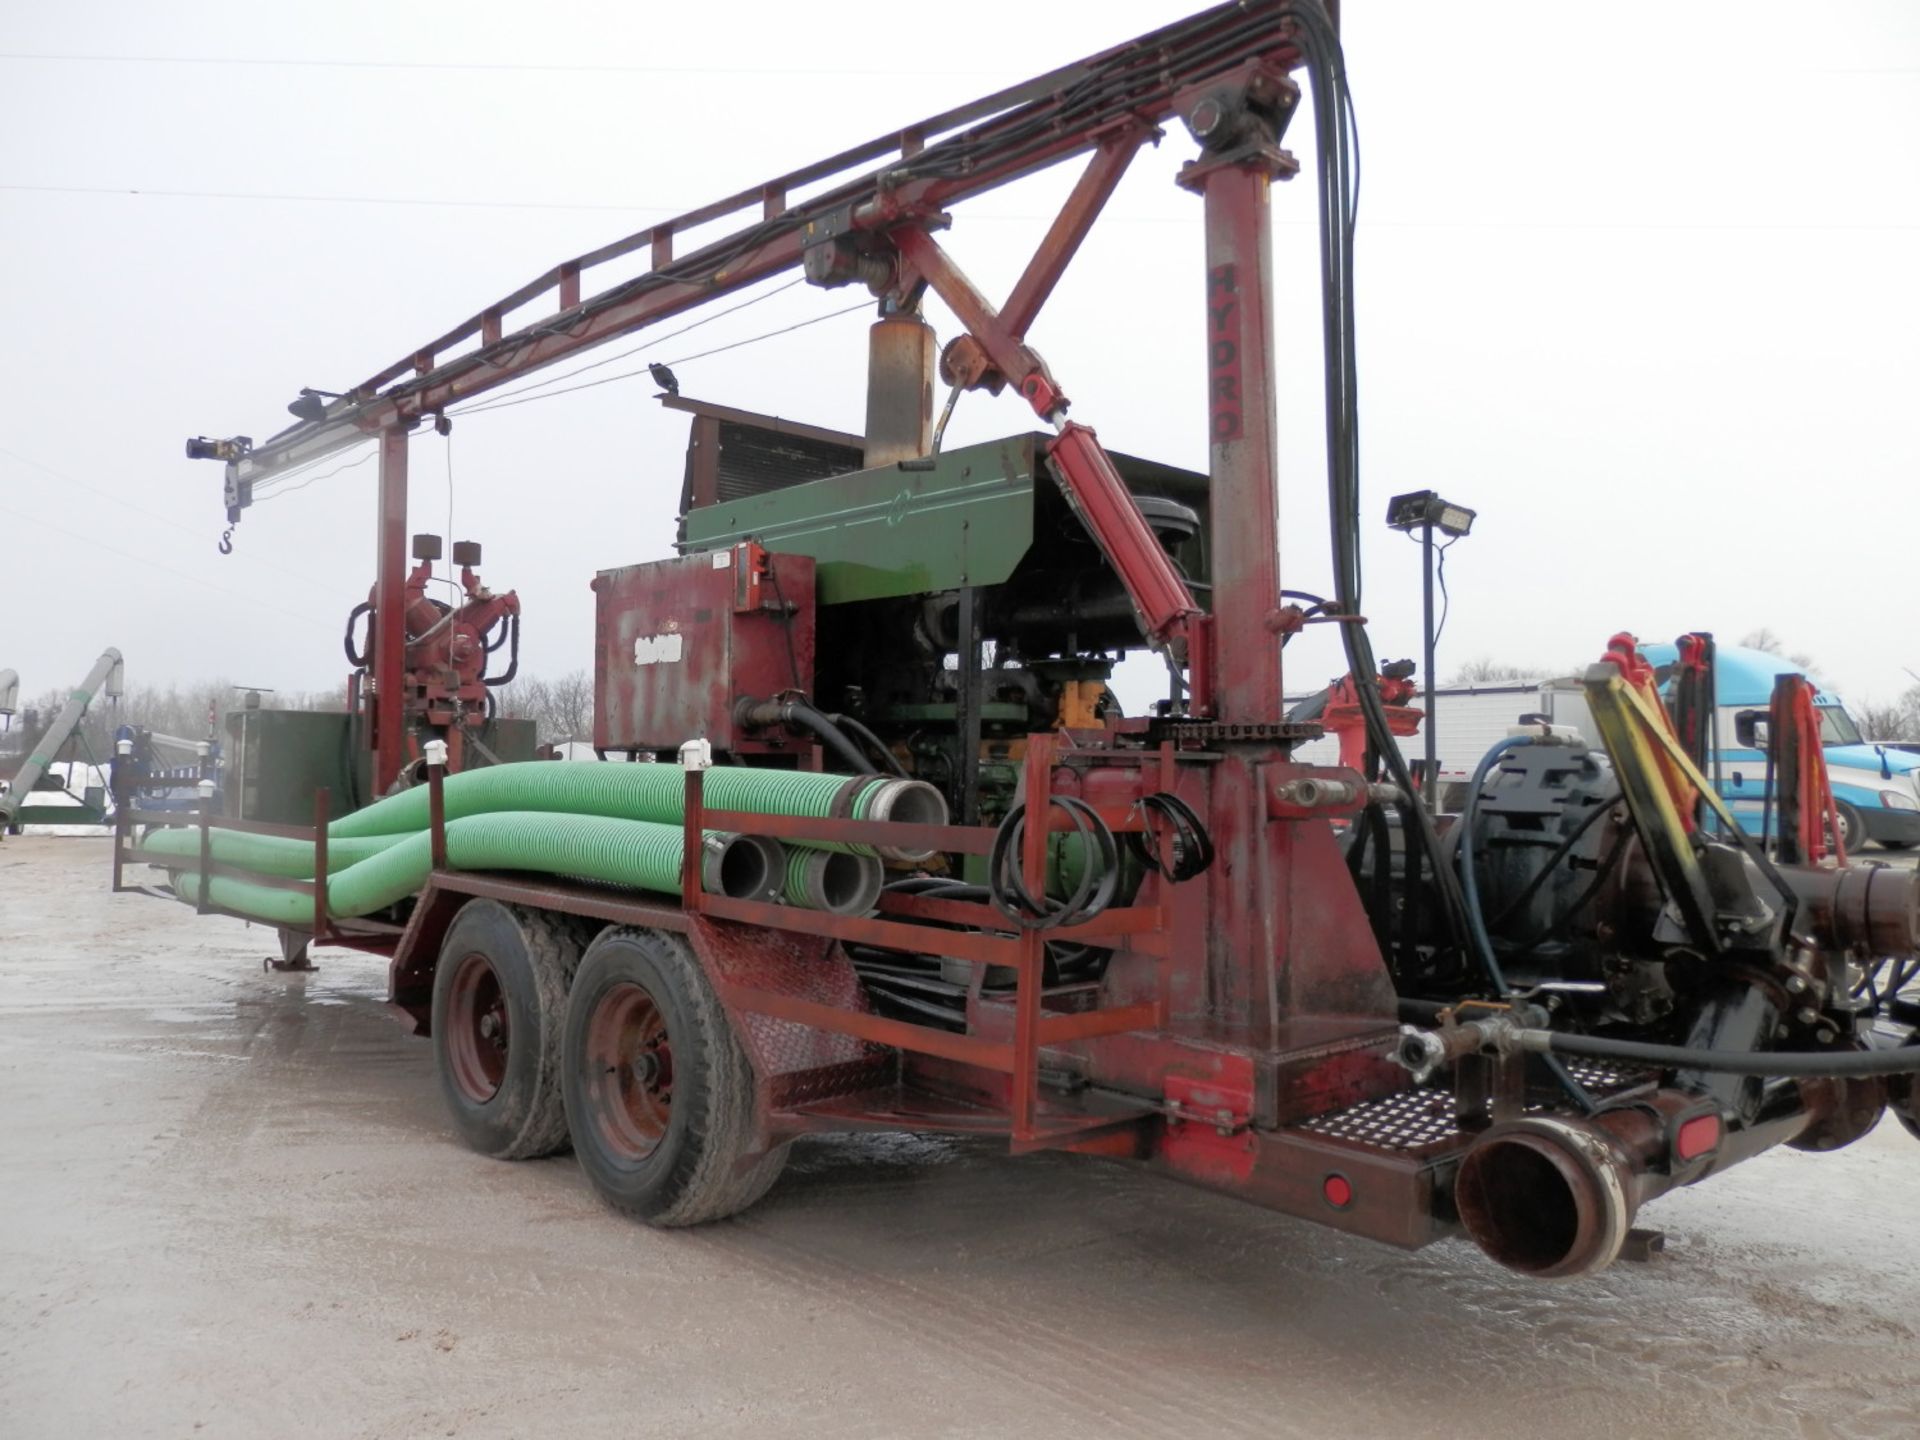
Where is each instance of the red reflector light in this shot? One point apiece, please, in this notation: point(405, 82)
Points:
point(1697, 1136)
point(1337, 1190)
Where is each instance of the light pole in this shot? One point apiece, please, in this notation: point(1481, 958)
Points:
point(1425, 511)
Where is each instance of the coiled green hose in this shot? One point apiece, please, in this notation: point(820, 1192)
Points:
point(636, 853)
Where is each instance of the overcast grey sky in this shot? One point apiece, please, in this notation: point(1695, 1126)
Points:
point(1638, 285)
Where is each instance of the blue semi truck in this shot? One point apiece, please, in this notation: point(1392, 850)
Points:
point(1875, 787)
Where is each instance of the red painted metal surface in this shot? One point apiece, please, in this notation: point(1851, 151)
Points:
point(389, 637)
point(966, 151)
point(678, 644)
point(1241, 426)
point(1236, 1004)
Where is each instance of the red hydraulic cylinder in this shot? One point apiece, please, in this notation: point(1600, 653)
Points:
point(1242, 431)
point(390, 613)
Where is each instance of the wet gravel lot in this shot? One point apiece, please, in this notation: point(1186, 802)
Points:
point(232, 1207)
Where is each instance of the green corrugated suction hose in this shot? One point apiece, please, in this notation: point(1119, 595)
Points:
point(269, 854)
point(656, 792)
point(828, 880)
point(637, 853)
point(629, 792)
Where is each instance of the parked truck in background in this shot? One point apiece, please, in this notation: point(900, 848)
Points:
point(1876, 787)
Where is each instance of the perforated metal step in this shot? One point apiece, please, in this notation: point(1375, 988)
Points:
point(1419, 1121)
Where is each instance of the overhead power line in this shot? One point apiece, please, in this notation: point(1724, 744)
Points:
point(148, 192)
point(1443, 226)
point(154, 515)
point(509, 67)
point(253, 600)
point(526, 399)
point(652, 342)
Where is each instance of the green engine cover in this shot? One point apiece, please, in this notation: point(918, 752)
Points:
point(964, 517)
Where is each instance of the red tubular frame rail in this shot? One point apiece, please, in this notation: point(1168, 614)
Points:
point(917, 924)
point(987, 944)
point(359, 934)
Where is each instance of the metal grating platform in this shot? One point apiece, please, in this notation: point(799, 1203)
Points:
point(1410, 1120)
point(1605, 1079)
point(1416, 1120)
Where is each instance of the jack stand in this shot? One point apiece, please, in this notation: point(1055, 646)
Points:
point(1642, 1245)
point(293, 954)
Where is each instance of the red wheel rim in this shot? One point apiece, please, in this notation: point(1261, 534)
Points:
point(629, 1072)
point(477, 1029)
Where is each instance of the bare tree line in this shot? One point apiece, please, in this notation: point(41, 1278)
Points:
point(561, 708)
point(189, 712)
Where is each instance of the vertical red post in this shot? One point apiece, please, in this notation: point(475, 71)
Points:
point(390, 613)
point(1249, 935)
point(692, 822)
point(437, 815)
point(322, 817)
point(1242, 432)
point(1031, 975)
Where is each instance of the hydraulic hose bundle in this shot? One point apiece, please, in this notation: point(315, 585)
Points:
point(1337, 146)
point(1099, 876)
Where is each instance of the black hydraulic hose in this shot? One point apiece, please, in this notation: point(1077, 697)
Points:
point(940, 887)
point(1099, 878)
point(1192, 846)
point(1336, 144)
point(873, 742)
point(513, 658)
point(355, 658)
point(1411, 858)
point(1371, 838)
point(1848, 1064)
point(798, 712)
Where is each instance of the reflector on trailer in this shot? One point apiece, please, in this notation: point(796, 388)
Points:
point(1697, 1137)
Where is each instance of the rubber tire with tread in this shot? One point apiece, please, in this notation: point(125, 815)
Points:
point(1853, 828)
point(534, 956)
point(704, 1167)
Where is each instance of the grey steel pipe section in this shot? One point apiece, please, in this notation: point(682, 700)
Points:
point(742, 867)
point(9, 692)
point(105, 673)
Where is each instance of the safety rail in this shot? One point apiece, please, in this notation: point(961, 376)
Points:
point(326, 930)
point(918, 924)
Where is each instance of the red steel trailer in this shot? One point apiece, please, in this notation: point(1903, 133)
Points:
point(1140, 938)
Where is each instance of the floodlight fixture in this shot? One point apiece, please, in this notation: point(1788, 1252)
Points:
point(1424, 508)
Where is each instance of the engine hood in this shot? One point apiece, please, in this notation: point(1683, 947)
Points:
point(1868, 757)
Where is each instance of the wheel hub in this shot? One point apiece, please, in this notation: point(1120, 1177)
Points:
point(477, 1038)
point(630, 1060)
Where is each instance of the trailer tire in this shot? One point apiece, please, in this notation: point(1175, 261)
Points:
point(499, 1005)
point(659, 1093)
